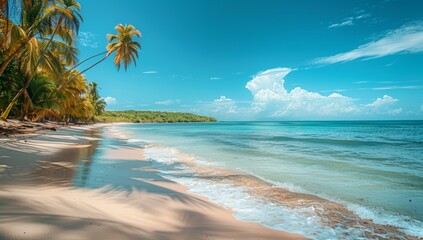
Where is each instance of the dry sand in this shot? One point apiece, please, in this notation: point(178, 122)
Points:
point(38, 199)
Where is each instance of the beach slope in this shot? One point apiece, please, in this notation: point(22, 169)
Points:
point(44, 196)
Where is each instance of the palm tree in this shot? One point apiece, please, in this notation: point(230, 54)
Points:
point(98, 103)
point(52, 65)
point(65, 15)
point(126, 49)
point(38, 19)
point(41, 97)
point(122, 44)
point(74, 100)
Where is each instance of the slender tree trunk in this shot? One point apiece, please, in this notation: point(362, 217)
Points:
point(85, 61)
point(48, 44)
point(73, 77)
point(5, 114)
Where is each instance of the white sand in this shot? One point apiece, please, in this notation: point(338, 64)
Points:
point(38, 202)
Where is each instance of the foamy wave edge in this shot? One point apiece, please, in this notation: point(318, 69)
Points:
point(405, 224)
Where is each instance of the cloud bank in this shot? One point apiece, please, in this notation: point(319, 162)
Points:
point(271, 100)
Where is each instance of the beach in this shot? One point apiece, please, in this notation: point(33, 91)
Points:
point(322, 180)
point(211, 120)
point(48, 192)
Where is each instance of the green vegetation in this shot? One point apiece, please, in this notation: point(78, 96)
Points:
point(151, 116)
point(38, 61)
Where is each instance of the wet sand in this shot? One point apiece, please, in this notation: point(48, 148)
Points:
point(39, 198)
point(335, 214)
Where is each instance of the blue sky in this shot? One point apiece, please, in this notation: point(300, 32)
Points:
point(264, 60)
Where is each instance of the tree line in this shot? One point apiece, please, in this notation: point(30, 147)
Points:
point(152, 116)
point(39, 78)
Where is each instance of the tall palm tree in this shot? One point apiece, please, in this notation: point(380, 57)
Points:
point(122, 44)
point(66, 18)
point(126, 49)
point(38, 19)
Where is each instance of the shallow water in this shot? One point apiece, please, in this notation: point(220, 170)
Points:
point(374, 169)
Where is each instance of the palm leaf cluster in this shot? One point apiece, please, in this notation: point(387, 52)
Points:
point(39, 78)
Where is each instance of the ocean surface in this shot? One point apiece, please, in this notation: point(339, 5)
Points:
point(372, 168)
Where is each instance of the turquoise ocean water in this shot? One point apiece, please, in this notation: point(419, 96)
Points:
point(373, 168)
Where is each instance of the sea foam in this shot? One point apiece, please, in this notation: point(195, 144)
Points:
point(248, 207)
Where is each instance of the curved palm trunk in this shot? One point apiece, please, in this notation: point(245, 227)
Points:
point(6, 113)
point(73, 78)
point(7, 61)
point(48, 44)
point(94, 56)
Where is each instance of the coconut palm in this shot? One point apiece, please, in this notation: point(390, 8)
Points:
point(38, 19)
point(126, 49)
point(64, 14)
point(52, 65)
point(74, 100)
point(122, 44)
point(98, 103)
point(40, 99)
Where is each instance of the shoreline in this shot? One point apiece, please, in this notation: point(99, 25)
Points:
point(166, 210)
point(332, 213)
point(255, 186)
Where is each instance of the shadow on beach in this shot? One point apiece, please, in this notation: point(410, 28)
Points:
point(74, 185)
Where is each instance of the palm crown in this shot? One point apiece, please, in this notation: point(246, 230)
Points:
point(123, 44)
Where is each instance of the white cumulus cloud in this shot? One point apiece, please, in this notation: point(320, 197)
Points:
point(223, 105)
point(385, 100)
point(272, 98)
point(110, 100)
point(406, 39)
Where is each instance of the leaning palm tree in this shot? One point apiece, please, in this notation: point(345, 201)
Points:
point(38, 19)
point(122, 44)
point(65, 16)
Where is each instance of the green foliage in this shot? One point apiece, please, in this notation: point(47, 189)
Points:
point(152, 116)
point(10, 83)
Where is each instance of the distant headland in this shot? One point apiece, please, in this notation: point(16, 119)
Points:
point(151, 116)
